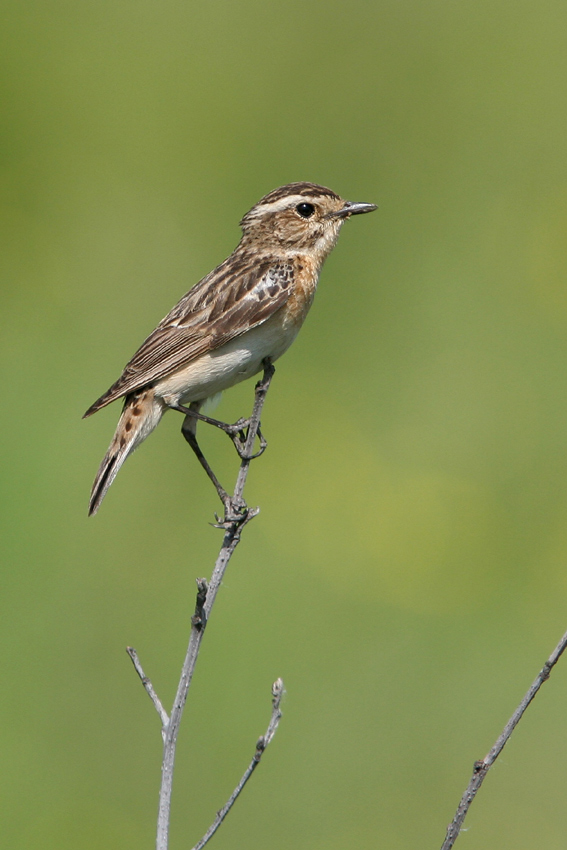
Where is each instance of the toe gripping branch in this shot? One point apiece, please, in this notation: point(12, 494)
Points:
point(237, 431)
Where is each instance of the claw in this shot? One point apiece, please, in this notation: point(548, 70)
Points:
point(263, 445)
point(239, 439)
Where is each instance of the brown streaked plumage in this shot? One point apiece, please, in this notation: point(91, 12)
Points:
point(246, 310)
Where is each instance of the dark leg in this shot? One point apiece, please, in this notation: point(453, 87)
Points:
point(189, 429)
point(237, 431)
point(232, 510)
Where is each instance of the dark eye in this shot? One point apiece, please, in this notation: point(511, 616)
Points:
point(305, 209)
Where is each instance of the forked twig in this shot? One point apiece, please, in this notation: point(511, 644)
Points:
point(262, 743)
point(482, 767)
point(232, 524)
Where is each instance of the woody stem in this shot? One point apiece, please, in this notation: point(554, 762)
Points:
point(233, 527)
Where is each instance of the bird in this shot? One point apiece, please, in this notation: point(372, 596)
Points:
point(242, 315)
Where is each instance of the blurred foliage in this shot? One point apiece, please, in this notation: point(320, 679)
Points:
point(408, 573)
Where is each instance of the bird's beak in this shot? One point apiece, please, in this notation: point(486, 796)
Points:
point(351, 208)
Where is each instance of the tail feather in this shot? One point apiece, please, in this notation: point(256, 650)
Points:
point(142, 413)
point(108, 471)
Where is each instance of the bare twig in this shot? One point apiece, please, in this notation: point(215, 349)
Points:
point(233, 523)
point(482, 767)
point(150, 690)
point(263, 741)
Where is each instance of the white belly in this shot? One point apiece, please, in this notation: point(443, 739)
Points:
point(239, 359)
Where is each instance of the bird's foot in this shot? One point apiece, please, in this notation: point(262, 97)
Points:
point(238, 433)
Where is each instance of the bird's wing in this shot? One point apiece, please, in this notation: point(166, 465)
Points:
point(234, 298)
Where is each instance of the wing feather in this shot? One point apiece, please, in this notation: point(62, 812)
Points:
point(234, 298)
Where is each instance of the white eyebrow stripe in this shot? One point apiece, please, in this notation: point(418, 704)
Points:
point(283, 203)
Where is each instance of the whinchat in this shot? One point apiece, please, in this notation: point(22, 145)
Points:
point(243, 314)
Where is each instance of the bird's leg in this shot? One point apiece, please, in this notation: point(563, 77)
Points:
point(235, 431)
point(233, 510)
point(189, 429)
point(238, 431)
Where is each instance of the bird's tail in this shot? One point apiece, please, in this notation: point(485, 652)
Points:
point(142, 413)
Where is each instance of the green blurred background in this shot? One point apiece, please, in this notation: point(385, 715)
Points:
point(407, 575)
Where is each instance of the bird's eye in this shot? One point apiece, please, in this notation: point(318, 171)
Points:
point(306, 210)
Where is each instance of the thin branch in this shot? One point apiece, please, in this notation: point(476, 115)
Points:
point(150, 690)
point(277, 693)
point(482, 767)
point(232, 525)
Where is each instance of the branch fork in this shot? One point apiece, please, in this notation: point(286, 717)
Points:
point(236, 516)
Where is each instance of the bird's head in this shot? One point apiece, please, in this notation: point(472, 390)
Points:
point(298, 218)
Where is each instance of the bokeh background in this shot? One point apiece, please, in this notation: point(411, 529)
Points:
point(407, 575)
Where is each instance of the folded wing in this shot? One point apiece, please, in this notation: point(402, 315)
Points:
point(234, 298)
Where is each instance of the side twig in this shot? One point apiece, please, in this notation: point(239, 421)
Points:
point(482, 767)
point(150, 690)
point(262, 743)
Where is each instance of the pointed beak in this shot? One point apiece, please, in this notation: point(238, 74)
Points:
point(351, 208)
